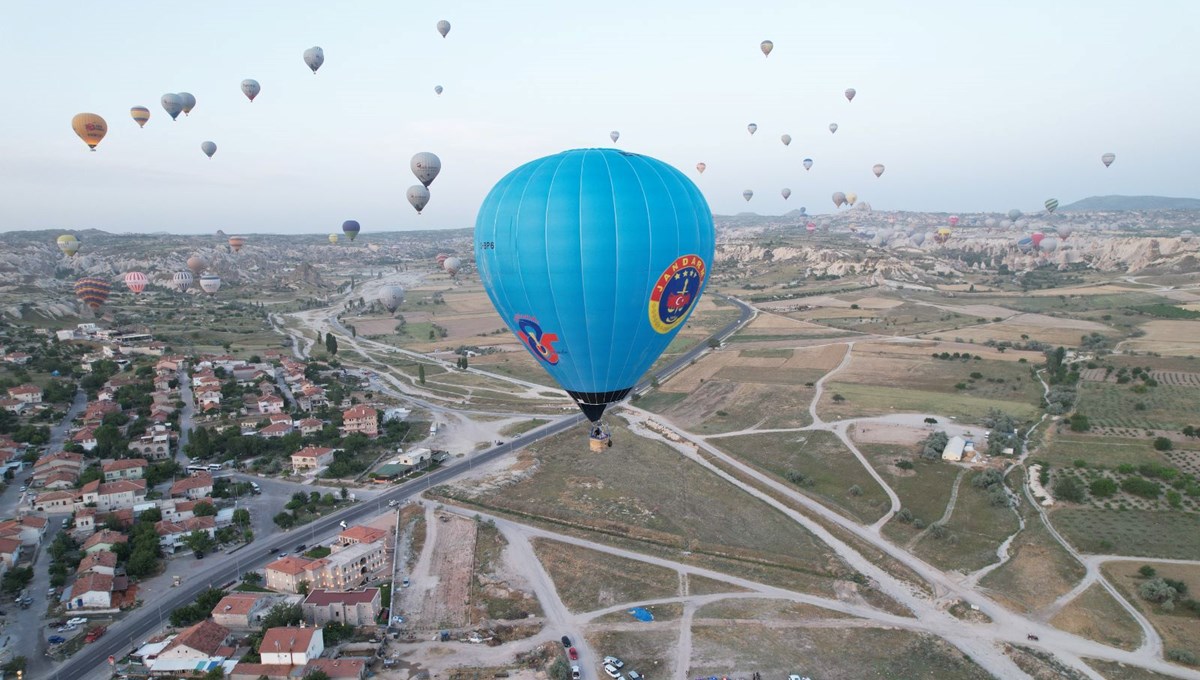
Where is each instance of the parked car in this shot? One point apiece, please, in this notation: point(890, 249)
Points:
point(575, 673)
point(634, 675)
point(573, 653)
point(77, 621)
point(616, 663)
point(301, 547)
point(57, 639)
point(611, 671)
point(404, 583)
point(566, 641)
point(95, 634)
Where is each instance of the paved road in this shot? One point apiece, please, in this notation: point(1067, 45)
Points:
point(24, 630)
point(91, 661)
point(187, 414)
point(58, 433)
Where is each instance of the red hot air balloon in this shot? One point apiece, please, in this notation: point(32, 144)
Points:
point(136, 281)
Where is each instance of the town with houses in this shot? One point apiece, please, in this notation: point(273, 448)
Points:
point(104, 496)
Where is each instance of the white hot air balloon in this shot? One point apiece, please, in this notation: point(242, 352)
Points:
point(752, 128)
point(182, 281)
point(391, 297)
point(452, 265)
point(1108, 158)
point(426, 167)
point(833, 128)
point(210, 283)
point(786, 193)
point(614, 135)
point(747, 194)
point(786, 139)
point(208, 148)
point(443, 27)
point(251, 88)
point(878, 169)
point(314, 57)
point(418, 196)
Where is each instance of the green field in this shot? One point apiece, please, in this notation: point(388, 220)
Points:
point(975, 530)
point(1167, 407)
point(873, 400)
point(924, 490)
point(1065, 447)
point(1142, 533)
point(820, 457)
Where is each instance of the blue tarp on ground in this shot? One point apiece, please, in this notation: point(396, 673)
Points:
point(641, 614)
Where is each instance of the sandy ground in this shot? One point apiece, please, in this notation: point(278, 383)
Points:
point(1175, 338)
point(441, 581)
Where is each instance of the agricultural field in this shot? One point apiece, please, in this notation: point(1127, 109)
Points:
point(899, 319)
point(642, 490)
point(974, 532)
point(1135, 408)
point(1141, 533)
point(1095, 615)
point(822, 653)
point(924, 490)
point(1167, 337)
point(1179, 625)
point(1052, 330)
point(818, 464)
point(859, 400)
point(879, 364)
point(587, 580)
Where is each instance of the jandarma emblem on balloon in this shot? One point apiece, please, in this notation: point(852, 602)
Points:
point(675, 291)
point(538, 341)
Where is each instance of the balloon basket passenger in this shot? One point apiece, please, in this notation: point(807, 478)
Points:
point(599, 437)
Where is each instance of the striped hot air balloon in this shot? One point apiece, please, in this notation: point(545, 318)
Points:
point(92, 291)
point(136, 282)
point(210, 283)
point(140, 114)
point(182, 281)
point(1051, 204)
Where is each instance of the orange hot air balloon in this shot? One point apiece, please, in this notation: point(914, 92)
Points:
point(196, 264)
point(92, 291)
point(236, 242)
point(90, 128)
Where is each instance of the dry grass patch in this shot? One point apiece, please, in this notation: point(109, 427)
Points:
point(649, 652)
point(1095, 615)
point(860, 400)
point(825, 653)
point(1113, 670)
point(1175, 338)
point(764, 609)
point(587, 580)
point(702, 585)
point(719, 406)
point(973, 534)
point(1179, 628)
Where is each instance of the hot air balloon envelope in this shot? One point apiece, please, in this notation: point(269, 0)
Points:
point(787, 193)
point(1108, 158)
point(172, 104)
point(333, 238)
point(747, 194)
point(314, 57)
point(210, 283)
point(418, 196)
point(850, 92)
point(452, 265)
point(1051, 204)
point(426, 167)
point(808, 163)
point(135, 281)
point(752, 128)
point(877, 169)
point(351, 228)
point(766, 46)
point(208, 148)
point(236, 242)
point(196, 264)
point(182, 281)
point(189, 102)
point(595, 259)
point(700, 167)
point(786, 139)
point(251, 88)
point(140, 115)
point(90, 128)
point(68, 244)
point(93, 291)
point(443, 27)
point(614, 135)
point(391, 297)
point(833, 127)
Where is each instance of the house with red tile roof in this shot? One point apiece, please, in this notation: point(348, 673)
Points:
point(361, 534)
point(86, 437)
point(203, 640)
point(311, 459)
point(195, 487)
point(363, 419)
point(54, 501)
point(353, 607)
point(105, 539)
point(291, 646)
point(100, 561)
point(109, 496)
point(27, 393)
point(125, 468)
point(276, 430)
point(243, 611)
point(310, 425)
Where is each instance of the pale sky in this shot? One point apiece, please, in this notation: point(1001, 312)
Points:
point(971, 106)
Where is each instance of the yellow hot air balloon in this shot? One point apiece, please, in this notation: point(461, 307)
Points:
point(90, 128)
point(141, 115)
point(851, 197)
point(333, 238)
point(68, 244)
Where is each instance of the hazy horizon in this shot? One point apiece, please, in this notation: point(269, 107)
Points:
point(970, 109)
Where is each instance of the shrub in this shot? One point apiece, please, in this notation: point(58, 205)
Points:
point(1162, 444)
point(1182, 656)
point(904, 464)
point(904, 515)
point(1141, 487)
point(938, 530)
point(1147, 571)
point(1157, 591)
point(856, 490)
point(1079, 423)
point(1069, 489)
point(1103, 488)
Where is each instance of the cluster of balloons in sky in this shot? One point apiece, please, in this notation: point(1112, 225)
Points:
point(92, 128)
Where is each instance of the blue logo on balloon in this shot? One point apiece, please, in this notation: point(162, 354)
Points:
point(675, 291)
point(540, 343)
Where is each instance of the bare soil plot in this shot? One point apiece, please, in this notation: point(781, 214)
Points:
point(1178, 338)
point(726, 406)
point(444, 602)
point(879, 364)
point(700, 585)
point(587, 580)
point(1095, 615)
point(643, 490)
point(499, 592)
point(1143, 533)
point(649, 652)
point(1180, 628)
point(891, 433)
point(830, 471)
point(763, 609)
point(822, 653)
point(1039, 570)
point(974, 533)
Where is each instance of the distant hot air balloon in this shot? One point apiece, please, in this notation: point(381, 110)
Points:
point(786, 193)
point(942, 235)
point(766, 46)
point(210, 283)
point(437, 89)
point(443, 27)
point(172, 104)
point(752, 128)
point(918, 238)
point(833, 128)
point(236, 242)
point(811, 227)
point(1037, 238)
point(418, 196)
point(877, 169)
point(90, 128)
point(839, 198)
point(426, 167)
point(1049, 245)
point(584, 224)
point(182, 281)
point(851, 197)
point(747, 194)
point(441, 257)
point(391, 297)
point(1051, 205)
point(196, 264)
point(251, 88)
point(351, 228)
point(135, 281)
point(953, 220)
point(807, 164)
point(1065, 231)
point(1108, 158)
point(93, 291)
point(990, 223)
point(850, 92)
point(140, 115)
point(333, 238)
point(208, 148)
point(700, 167)
point(1025, 244)
point(314, 57)
point(452, 265)
point(786, 139)
point(1014, 215)
point(189, 102)
point(68, 244)
point(614, 135)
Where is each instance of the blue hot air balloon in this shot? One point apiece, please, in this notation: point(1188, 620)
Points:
point(594, 258)
point(351, 228)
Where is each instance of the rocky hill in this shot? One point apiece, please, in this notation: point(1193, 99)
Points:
point(1119, 203)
